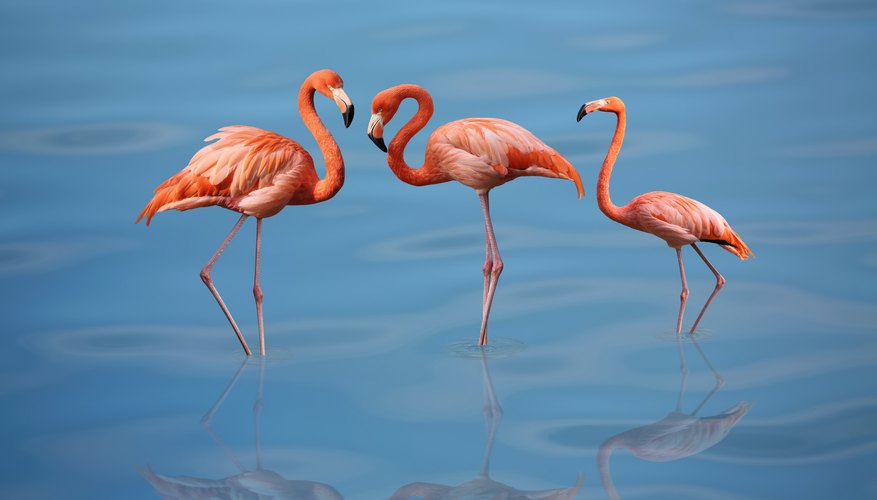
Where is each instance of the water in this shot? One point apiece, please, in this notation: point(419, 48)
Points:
point(114, 352)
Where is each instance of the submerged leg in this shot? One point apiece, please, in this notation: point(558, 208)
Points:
point(492, 413)
point(257, 413)
point(683, 298)
point(683, 372)
point(495, 270)
point(257, 290)
point(720, 282)
point(205, 277)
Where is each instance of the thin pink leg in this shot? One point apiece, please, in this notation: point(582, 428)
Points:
point(205, 277)
point(720, 282)
point(257, 290)
point(495, 270)
point(683, 298)
point(486, 269)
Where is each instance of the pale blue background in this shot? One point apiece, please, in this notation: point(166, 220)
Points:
point(113, 349)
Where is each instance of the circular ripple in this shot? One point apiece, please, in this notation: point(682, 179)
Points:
point(499, 347)
point(700, 334)
point(97, 139)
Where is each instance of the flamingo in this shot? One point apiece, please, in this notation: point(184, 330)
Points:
point(674, 218)
point(481, 153)
point(256, 173)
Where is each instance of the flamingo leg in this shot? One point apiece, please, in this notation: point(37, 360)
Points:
point(683, 298)
point(492, 414)
point(720, 282)
point(257, 290)
point(495, 270)
point(486, 269)
point(205, 277)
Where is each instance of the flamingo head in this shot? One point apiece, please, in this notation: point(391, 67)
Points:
point(376, 130)
point(384, 106)
point(328, 83)
point(607, 104)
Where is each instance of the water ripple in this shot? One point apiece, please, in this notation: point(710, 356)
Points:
point(30, 257)
point(501, 83)
point(468, 240)
point(812, 8)
point(499, 347)
point(616, 41)
point(723, 76)
point(92, 139)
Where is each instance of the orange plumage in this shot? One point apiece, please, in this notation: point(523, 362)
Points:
point(247, 169)
point(257, 173)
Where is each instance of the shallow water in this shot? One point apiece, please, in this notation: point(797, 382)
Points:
point(119, 378)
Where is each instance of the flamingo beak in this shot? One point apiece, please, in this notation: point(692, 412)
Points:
point(376, 131)
point(344, 104)
point(590, 107)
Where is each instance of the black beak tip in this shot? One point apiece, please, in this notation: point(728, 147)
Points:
point(348, 116)
point(379, 142)
point(582, 112)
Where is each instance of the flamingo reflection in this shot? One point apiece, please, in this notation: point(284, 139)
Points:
point(258, 484)
point(679, 434)
point(482, 486)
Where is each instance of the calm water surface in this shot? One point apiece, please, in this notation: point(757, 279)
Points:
point(120, 379)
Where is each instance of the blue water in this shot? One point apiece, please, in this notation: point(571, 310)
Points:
point(113, 351)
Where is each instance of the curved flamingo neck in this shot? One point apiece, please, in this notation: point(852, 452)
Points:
point(417, 176)
point(603, 200)
point(327, 187)
point(603, 456)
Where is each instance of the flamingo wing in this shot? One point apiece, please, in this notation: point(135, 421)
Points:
point(246, 169)
point(681, 221)
point(482, 145)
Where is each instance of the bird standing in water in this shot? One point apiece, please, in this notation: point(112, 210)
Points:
point(674, 218)
point(481, 153)
point(257, 173)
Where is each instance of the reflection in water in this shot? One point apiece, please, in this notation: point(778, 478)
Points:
point(678, 435)
point(257, 484)
point(482, 486)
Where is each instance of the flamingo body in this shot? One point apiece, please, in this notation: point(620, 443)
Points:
point(257, 173)
point(676, 219)
point(681, 221)
point(481, 153)
point(248, 170)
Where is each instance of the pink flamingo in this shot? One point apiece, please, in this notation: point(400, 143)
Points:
point(481, 153)
point(674, 218)
point(256, 172)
